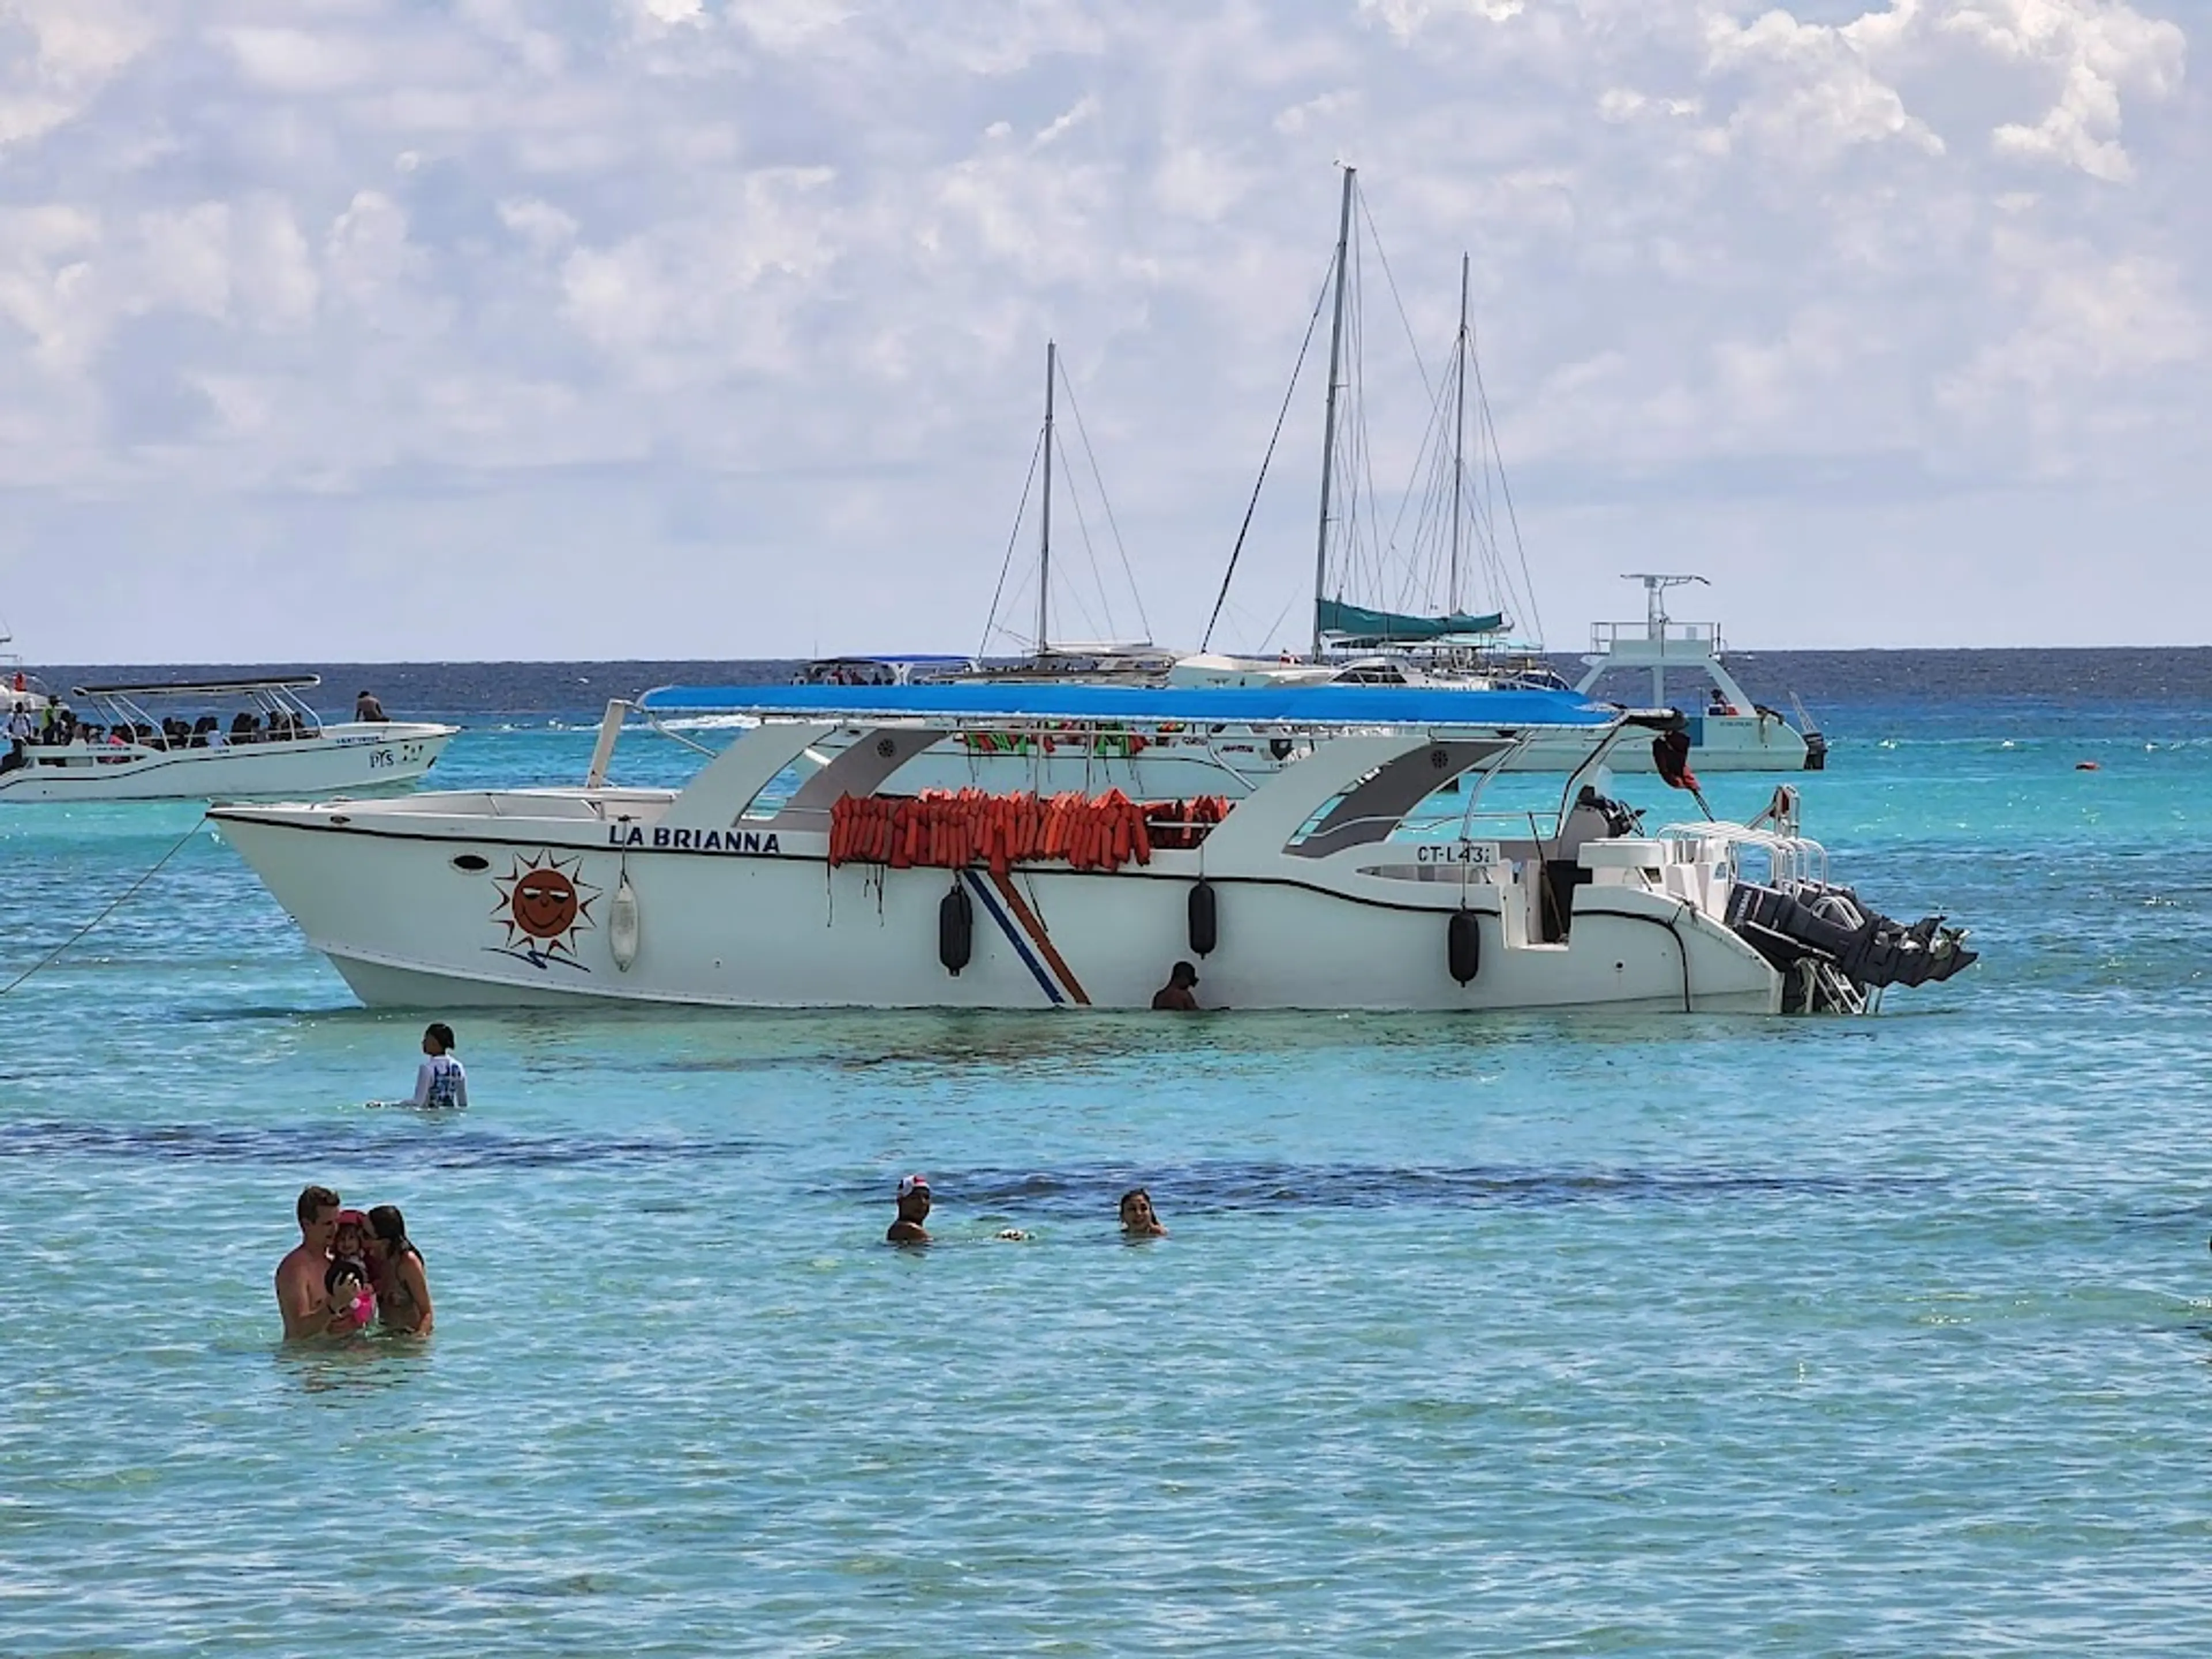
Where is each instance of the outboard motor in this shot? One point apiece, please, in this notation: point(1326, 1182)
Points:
point(1832, 950)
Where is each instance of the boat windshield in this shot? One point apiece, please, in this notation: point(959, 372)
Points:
point(919, 668)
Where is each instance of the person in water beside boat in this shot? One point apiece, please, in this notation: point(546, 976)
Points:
point(440, 1081)
point(1178, 994)
point(913, 1210)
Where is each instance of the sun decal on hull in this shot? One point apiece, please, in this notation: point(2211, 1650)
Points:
point(543, 904)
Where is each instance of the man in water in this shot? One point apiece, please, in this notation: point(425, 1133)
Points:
point(1138, 1218)
point(913, 1210)
point(366, 708)
point(1176, 994)
point(300, 1297)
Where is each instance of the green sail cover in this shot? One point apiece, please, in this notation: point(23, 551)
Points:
point(1353, 624)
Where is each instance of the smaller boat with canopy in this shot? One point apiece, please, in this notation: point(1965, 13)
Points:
point(222, 739)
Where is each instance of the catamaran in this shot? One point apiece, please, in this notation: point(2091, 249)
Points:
point(1729, 731)
point(120, 745)
point(766, 882)
point(1460, 647)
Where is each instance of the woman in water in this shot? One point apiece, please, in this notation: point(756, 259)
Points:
point(402, 1290)
point(1138, 1218)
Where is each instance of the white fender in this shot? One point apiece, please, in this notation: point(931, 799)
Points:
point(623, 924)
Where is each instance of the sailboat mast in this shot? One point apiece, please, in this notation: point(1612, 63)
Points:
point(1044, 541)
point(1458, 442)
point(1328, 418)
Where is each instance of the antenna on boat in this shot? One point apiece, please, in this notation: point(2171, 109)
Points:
point(1044, 539)
point(1655, 620)
point(1328, 418)
point(1459, 440)
point(1655, 597)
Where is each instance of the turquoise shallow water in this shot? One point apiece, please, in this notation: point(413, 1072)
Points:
point(1660, 1336)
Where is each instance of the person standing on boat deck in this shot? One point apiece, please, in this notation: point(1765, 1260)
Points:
point(366, 707)
point(302, 1297)
point(1176, 994)
point(913, 1210)
point(1138, 1218)
point(19, 723)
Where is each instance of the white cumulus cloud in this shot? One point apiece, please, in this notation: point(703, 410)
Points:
point(715, 327)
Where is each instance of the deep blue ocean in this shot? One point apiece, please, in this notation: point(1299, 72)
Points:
point(1531, 1335)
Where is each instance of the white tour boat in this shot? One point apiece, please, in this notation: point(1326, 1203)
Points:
point(272, 744)
point(1315, 890)
point(1728, 730)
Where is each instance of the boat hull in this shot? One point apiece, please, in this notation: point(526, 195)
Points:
point(344, 759)
point(417, 912)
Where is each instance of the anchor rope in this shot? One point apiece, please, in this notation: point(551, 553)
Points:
point(115, 904)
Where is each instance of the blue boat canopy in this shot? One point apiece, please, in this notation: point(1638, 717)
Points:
point(1299, 705)
point(1355, 625)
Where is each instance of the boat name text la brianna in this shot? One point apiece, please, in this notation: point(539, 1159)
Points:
point(692, 840)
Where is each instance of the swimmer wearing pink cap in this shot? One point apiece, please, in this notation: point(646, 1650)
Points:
point(913, 1210)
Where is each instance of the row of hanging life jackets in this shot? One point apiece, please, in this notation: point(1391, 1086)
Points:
point(945, 829)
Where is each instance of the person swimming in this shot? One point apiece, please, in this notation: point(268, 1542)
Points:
point(913, 1210)
point(1138, 1218)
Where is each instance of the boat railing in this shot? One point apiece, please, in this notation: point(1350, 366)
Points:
point(1699, 638)
point(1773, 859)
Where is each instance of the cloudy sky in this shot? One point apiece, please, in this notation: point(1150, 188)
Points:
point(403, 329)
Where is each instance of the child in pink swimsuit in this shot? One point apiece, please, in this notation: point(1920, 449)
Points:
point(346, 1283)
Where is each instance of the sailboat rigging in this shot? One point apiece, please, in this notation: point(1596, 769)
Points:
point(1393, 623)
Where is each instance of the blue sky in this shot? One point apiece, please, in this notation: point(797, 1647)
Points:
point(605, 328)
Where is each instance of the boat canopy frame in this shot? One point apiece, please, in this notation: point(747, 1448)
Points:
point(270, 695)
